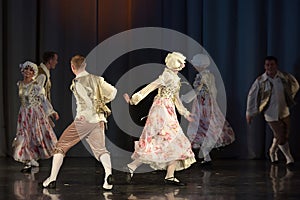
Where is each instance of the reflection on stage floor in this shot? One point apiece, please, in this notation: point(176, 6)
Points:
point(82, 178)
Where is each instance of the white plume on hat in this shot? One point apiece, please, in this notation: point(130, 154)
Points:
point(32, 65)
point(174, 60)
point(200, 60)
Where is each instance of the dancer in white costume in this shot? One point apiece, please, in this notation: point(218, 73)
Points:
point(92, 93)
point(163, 144)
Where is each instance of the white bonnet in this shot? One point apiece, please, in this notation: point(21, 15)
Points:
point(174, 60)
point(200, 60)
point(30, 64)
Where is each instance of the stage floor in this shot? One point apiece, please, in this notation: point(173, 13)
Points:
point(81, 178)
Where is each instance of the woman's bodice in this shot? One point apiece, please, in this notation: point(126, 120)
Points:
point(200, 83)
point(29, 94)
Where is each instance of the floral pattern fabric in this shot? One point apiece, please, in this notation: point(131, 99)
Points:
point(35, 138)
point(162, 140)
point(210, 128)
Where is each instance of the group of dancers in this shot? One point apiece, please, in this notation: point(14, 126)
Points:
point(162, 144)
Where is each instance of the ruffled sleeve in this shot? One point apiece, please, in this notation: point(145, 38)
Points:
point(180, 107)
point(41, 79)
point(293, 84)
point(166, 79)
point(39, 95)
point(108, 91)
point(211, 85)
point(252, 106)
point(140, 95)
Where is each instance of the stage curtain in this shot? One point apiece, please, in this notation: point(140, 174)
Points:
point(237, 34)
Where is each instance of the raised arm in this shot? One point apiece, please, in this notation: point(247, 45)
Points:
point(138, 96)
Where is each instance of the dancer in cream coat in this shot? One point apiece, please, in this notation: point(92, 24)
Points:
point(273, 93)
point(92, 93)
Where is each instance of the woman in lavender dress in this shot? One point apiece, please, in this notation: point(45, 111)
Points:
point(35, 138)
point(210, 128)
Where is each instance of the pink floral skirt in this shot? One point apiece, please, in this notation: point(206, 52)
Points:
point(35, 138)
point(210, 128)
point(162, 140)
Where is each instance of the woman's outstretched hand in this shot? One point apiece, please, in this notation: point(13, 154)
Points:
point(190, 118)
point(126, 97)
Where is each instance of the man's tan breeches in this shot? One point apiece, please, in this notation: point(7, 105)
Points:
point(92, 133)
point(281, 130)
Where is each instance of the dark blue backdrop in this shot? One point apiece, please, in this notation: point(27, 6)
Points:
point(237, 34)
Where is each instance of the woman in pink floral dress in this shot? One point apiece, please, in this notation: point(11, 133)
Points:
point(162, 143)
point(210, 128)
point(35, 138)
